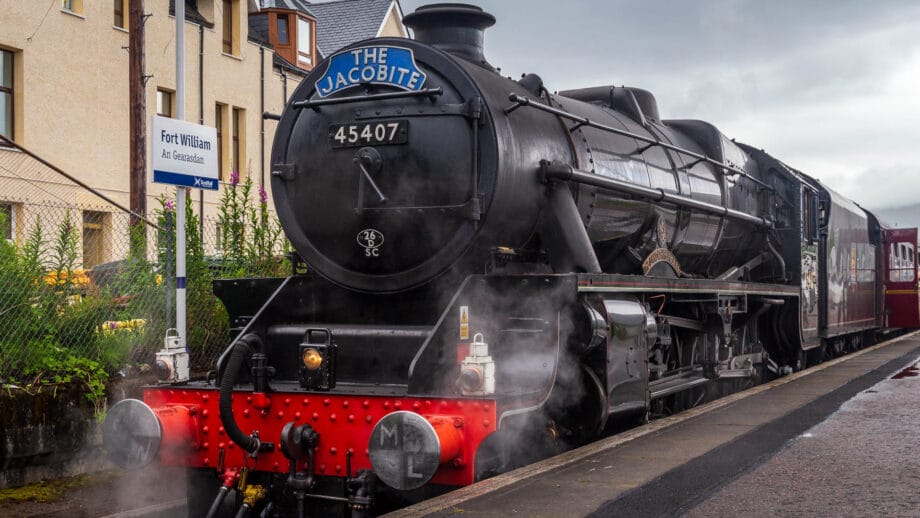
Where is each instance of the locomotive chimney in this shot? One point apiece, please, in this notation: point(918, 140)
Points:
point(454, 28)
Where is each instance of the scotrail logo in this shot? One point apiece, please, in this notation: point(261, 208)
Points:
point(204, 183)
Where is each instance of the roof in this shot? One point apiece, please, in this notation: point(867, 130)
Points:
point(191, 14)
point(293, 5)
point(258, 29)
point(282, 63)
point(343, 22)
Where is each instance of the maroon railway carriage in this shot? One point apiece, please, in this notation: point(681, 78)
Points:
point(901, 308)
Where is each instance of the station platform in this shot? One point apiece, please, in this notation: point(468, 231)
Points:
point(837, 439)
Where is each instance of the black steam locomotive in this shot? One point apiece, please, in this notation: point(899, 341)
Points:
point(493, 269)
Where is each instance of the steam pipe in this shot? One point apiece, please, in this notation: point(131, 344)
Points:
point(241, 351)
point(569, 174)
point(562, 231)
point(779, 259)
point(221, 494)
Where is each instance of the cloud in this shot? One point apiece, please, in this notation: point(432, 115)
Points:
point(828, 87)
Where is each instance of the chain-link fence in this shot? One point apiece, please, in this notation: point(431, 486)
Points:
point(82, 278)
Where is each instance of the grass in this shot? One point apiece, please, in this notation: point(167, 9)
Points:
point(46, 490)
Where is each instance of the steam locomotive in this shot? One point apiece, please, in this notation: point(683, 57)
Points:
point(493, 269)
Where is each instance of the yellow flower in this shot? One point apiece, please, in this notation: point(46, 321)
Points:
point(110, 327)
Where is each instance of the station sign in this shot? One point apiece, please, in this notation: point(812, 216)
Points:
point(379, 65)
point(184, 154)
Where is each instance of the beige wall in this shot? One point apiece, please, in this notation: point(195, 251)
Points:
point(392, 24)
point(72, 88)
point(71, 100)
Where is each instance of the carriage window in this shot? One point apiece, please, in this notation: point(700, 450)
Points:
point(902, 264)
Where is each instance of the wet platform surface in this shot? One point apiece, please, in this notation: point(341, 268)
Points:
point(839, 439)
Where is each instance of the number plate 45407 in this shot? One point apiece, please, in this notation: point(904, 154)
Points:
point(369, 133)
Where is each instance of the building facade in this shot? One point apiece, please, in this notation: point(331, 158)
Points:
point(64, 94)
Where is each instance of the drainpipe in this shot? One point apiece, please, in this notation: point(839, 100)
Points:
point(262, 119)
point(201, 121)
point(283, 87)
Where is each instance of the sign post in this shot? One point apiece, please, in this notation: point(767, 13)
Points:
point(184, 155)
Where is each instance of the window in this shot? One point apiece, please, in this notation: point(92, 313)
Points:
point(901, 262)
point(95, 227)
point(281, 26)
point(6, 94)
point(809, 214)
point(164, 103)
point(304, 43)
point(239, 133)
point(228, 26)
point(222, 121)
point(6, 221)
point(231, 21)
point(120, 12)
point(282, 34)
point(73, 6)
point(219, 125)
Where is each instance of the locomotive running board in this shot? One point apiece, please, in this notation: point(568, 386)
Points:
point(603, 283)
point(661, 388)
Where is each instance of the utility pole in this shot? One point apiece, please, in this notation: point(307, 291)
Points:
point(138, 126)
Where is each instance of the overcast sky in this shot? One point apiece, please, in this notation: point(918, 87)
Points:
point(830, 87)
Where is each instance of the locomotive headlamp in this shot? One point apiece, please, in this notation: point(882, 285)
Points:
point(312, 359)
point(477, 370)
point(172, 360)
point(317, 357)
point(471, 379)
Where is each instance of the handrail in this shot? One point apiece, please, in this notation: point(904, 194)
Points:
point(519, 101)
point(427, 92)
point(567, 173)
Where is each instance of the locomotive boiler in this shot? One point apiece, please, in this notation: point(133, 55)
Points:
point(492, 272)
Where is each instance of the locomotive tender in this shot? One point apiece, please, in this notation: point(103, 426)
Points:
point(493, 269)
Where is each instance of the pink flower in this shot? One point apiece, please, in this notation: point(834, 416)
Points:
point(263, 196)
point(234, 178)
point(170, 205)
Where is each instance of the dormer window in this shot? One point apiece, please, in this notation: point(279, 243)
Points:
point(291, 33)
point(283, 29)
point(305, 43)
